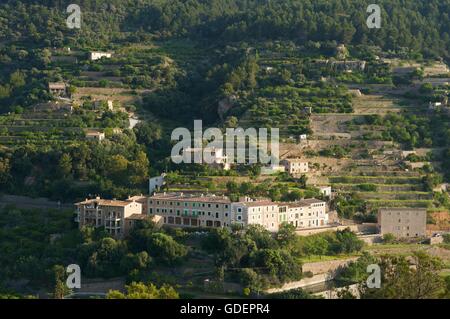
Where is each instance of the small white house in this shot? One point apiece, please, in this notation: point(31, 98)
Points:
point(110, 105)
point(95, 55)
point(95, 135)
point(155, 183)
point(325, 190)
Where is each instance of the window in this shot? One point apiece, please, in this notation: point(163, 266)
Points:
point(217, 215)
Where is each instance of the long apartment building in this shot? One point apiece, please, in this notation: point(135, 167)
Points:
point(182, 210)
point(218, 211)
point(116, 216)
point(307, 213)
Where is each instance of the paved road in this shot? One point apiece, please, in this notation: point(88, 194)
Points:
point(29, 202)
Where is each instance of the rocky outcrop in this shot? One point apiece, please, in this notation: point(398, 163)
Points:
point(225, 105)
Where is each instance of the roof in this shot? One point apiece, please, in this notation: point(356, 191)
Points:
point(258, 203)
point(312, 201)
point(295, 160)
point(94, 133)
point(136, 198)
point(105, 202)
point(53, 106)
point(294, 204)
point(192, 198)
point(302, 203)
point(137, 217)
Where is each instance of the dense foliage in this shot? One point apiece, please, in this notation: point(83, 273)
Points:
point(419, 25)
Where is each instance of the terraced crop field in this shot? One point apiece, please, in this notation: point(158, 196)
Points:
point(379, 180)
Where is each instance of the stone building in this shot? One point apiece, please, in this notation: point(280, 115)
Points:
point(402, 222)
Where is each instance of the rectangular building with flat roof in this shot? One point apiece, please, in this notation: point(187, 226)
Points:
point(185, 210)
point(402, 222)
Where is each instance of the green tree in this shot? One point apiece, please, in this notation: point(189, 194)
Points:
point(408, 278)
point(65, 165)
point(147, 133)
point(17, 79)
point(139, 290)
point(60, 288)
point(286, 235)
point(165, 249)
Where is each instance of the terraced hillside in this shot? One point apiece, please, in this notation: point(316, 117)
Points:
point(355, 158)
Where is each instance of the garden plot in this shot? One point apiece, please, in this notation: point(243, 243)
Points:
point(98, 76)
point(329, 124)
point(124, 96)
point(375, 104)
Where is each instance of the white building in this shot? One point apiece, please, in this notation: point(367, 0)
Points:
point(261, 212)
point(307, 213)
point(433, 106)
point(325, 190)
point(95, 135)
point(209, 155)
point(96, 55)
point(295, 166)
point(183, 210)
point(155, 183)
